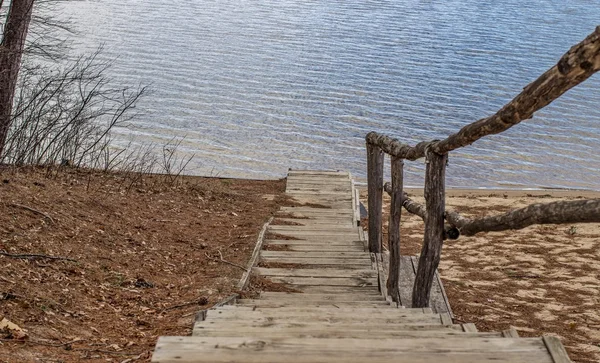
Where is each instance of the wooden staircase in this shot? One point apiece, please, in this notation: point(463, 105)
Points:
point(337, 312)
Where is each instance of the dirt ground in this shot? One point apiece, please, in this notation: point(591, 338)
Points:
point(128, 258)
point(543, 280)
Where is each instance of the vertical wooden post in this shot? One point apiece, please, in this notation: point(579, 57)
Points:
point(435, 175)
point(394, 229)
point(375, 189)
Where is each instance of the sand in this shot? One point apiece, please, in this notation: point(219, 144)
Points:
point(543, 280)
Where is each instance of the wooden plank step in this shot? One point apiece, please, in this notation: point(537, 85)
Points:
point(319, 235)
point(316, 304)
point(308, 216)
point(316, 222)
point(394, 316)
point(358, 310)
point(308, 350)
point(294, 296)
point(319, 254)
point(318, 211)
point(314, 191)
point(348, 263)
point(323, 248)
point(324, 289)
point(299, 191)
point(440, 332)
point(285, 272)
point(317, 172)
point(319, 228)
point(318, 320)
point(296, 176)
point(323, 182)
point(325, 281)
point(365, 325)
point(317, 243)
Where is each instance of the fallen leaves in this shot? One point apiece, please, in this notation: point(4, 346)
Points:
point(10, 330)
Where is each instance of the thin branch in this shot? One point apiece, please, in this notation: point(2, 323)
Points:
point(220, 259)
point(32, 256)
point(33, 211)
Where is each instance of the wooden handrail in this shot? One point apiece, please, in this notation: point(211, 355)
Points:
point(560, 212)
point(450, 230)
point(571, 211)
point(574, 67)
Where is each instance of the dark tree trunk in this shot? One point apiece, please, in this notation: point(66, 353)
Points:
point(394, 229)
point(375, 201)
point(11, 50)
point(572, 211)
point(429, 260)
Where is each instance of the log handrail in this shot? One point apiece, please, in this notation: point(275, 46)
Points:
point(560, 212)
point(575, 66)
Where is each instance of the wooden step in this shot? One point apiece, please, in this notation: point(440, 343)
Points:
point(312, 317)
point(316, 222)
point(308, 350)
point(315, 322)
point(327, 289)
point(294, 296)
point(358, 310)
point(282, 324)
point(322, 235)
point(315, 241)
point(325, 281)
point(317, 254)
point(321, 248)
point(294, 272)
point(315, 304)
point(318, 211)
point(307, 262)
point(318, 228)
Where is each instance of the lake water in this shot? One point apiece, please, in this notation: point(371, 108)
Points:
point(257, 87)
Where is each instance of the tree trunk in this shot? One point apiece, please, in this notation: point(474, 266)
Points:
point(394, 229)
point(572, 211)
point(375, 201)
point(429, 260)
point(11, 50)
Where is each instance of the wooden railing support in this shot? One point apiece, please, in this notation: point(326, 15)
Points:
point(429, 260)
point(393, 280)
point(375, 201)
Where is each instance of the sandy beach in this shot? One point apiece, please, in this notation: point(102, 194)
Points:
point(543, 280)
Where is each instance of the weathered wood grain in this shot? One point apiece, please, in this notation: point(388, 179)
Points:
point(375, 197)
point(393, 279)
point(429, 259)
point(447, 349)
point(291, 272)
point(571, 211)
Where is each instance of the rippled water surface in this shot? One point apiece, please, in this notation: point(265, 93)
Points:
point(256, 87)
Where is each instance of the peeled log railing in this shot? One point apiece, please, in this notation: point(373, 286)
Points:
point(574, 67)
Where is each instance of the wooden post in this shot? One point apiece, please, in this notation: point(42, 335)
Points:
point(375, 189)
point(394, 229)
point(435, 175)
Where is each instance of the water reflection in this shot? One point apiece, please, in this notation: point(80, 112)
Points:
point(259, 86)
